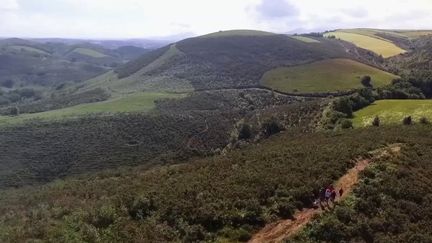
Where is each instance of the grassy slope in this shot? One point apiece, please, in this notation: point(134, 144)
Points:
point(393, 111)
point(305, 39)
point(89, 52)
point(366, 41)
point(324, 76)
point(141, 80)
point(138, 102)
point(209, 199)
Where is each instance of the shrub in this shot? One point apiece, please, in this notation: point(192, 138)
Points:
point(407, 120)
point(343, 105)
point(366, 81)
point(245, 132)
point(141, 208)
point(346, 124)
point(104, 217)
point(376, 122)
point(272, 126)
point(14, 111)
point(424, 121)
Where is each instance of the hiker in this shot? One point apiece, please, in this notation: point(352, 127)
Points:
point(322, 196)
point(327, 195)
point(341, 191)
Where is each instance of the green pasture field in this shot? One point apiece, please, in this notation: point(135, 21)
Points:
point(324, 76)
point(137, 102)
point(393, 112)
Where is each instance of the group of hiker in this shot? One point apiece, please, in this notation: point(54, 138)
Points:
point(326, 195)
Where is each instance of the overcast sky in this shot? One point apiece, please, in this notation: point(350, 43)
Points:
point(116, 19)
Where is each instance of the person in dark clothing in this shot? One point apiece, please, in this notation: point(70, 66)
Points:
point(322, 196)
point(341, 191)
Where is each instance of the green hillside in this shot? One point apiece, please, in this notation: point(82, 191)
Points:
point(138, 102)
point(324, 76)
point(393, 112)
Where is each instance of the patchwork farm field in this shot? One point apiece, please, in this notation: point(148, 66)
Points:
point(324, 76)
point(138, 102)
point(393, 112)
point(367, 41)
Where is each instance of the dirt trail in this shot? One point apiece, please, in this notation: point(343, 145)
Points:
point(283, 229)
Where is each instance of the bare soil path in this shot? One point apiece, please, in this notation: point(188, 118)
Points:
point(284, 229)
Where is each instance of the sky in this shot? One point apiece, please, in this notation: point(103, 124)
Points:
point(121, 19)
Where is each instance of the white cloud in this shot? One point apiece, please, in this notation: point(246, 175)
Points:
point(141, 18)
point(8, 5)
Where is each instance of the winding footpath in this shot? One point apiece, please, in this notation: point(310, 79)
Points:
point(284, 229)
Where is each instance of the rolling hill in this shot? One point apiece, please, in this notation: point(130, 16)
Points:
point(26, 62)
point(228, 59)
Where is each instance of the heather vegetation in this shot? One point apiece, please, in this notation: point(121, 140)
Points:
point(36, 151)
point(39, 152)
point(228, 197)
